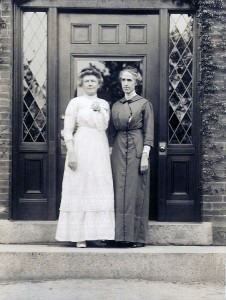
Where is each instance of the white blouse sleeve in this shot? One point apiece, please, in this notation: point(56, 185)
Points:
point(70, 120)
point(105, 112)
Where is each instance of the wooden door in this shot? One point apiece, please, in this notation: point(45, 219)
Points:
point(109, 42)
point(178, 139)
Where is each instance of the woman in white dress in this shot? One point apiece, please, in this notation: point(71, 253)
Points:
point(87, 203)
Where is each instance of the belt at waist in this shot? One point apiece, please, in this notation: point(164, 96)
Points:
point(91, 128)
point(126, 130)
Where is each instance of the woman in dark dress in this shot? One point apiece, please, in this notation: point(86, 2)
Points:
point(131, 136)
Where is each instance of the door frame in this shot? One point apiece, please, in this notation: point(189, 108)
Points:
point(148, 54)
point(53, 8)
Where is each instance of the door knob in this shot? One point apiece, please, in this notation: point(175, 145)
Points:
point(162, 148)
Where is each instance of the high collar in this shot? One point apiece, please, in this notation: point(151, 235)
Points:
point(132, 94)
point(135, 98)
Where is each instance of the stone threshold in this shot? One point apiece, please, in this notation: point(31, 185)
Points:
point(159, 233)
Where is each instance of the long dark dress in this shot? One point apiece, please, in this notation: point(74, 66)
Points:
point(131, 127)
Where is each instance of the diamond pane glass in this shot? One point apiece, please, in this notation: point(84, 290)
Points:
point(35, 76)
point(180, 79)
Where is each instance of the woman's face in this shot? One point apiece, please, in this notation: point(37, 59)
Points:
point(90, 84)
point(128, 82)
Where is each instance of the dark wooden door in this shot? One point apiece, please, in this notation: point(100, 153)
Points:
point(178, 139)
point(109, 42)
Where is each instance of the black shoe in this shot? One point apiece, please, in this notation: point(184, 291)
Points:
point(137, 245)
point(97, 244)
point(111, 244)
point(122, 244)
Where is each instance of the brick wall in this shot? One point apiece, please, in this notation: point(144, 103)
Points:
point(214, 171)
point(5, 106)
point(214, 148)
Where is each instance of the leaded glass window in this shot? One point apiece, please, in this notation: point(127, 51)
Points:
point(35, 76)
point(180, 78)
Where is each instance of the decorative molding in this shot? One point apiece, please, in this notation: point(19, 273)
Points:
point(136, 34)
point(19, 2)
point(107, 4)
point(108, 33)
point(81, 33)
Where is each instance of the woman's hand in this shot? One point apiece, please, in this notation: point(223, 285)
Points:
point(95, 106)
point(144, 163)
point(72, 163)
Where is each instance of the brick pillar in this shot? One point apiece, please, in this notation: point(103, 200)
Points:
point(5, 106)
point(214, 157)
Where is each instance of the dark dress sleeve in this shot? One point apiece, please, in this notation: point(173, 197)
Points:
point(112, 131)
point(148, 124)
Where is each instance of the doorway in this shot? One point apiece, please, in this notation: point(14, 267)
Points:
point(109, 43)
point(161, 44)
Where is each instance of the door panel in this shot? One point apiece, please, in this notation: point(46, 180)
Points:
point(32, 187)
point(180, 189)
point(109, 42)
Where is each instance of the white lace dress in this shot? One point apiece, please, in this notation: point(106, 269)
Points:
point(87, 203)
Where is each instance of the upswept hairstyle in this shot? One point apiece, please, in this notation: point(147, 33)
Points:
point(135, 73)
point(89, 71)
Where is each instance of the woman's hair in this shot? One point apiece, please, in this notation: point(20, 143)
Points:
point(89, 71)
point(135, 73)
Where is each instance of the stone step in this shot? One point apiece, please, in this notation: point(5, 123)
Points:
point(182, 264)
point(160, 233)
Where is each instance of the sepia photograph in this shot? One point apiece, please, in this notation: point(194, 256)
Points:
point(112, 149)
